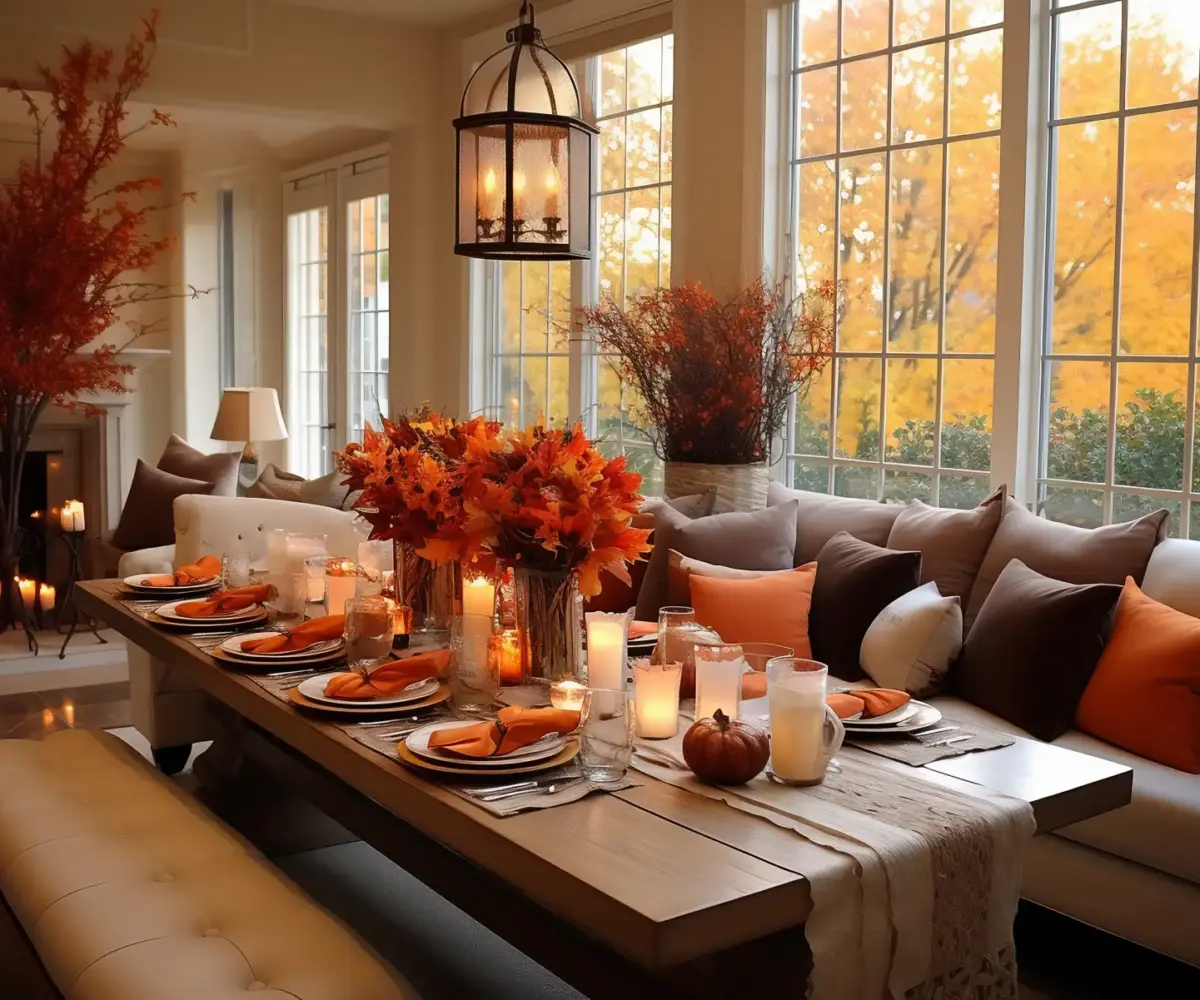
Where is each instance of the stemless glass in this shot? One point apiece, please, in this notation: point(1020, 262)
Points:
point(368, 632)
point(805, 731)
point(606, 738)
point(474, 676)
point(676, 627)
point(235, 569)
point(719, 672)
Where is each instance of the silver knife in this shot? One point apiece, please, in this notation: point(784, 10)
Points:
point(946, 743)
point(940, 729)
point(520, 786)
point(558, 786)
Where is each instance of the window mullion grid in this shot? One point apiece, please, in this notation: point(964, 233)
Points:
point(835, 375)
point(935, 492)
point(790, 242)
point(1189, 424)
point(885, 326)
point(1110, 473)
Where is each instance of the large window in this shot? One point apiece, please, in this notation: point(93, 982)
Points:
point(338, 331)
point(1119, 346)
point(533, 363)
point(893, 119)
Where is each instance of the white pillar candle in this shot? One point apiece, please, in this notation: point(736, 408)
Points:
point(479, 597)
point(28, 590)
point(476, 630)
point(339, 588)
point(797, 707)
point(46, 596)
point(607, 635)
point(719, 672)
point(656, 698)
point(276, 552)
point(77, 516)
point(66, 520)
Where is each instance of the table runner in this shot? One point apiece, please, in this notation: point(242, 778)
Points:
point(914, 884)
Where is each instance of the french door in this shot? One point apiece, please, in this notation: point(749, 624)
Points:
point(338, 307)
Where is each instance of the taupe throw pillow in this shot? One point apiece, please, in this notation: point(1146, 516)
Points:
point(820, 516)
point(761, 539)
point(326, 491)
point(148, 517)
point(1064, 552)
point(855, 581)
point(1033, 648)
point(180, 459)
point(693, 505)
point(952, 543)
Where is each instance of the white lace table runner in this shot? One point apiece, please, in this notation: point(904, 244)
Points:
point(914, 885)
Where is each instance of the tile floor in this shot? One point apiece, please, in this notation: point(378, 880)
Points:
point(1060, 959)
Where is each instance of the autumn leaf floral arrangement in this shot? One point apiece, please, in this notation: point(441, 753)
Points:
point(716, 377)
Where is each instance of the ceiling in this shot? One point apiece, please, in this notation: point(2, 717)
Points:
point(423, 12)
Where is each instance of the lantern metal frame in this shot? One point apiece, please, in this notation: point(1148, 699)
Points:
point(510, 247)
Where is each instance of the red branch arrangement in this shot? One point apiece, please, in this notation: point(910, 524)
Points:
point(71, 248)
point(716, 378)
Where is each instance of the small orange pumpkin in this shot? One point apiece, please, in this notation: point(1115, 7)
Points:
point(724, 752)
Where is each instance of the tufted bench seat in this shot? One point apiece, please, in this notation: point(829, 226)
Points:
point(129, 890)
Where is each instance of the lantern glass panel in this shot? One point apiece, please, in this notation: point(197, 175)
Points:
point(543, 85)
point(482, 184)
point(541, 182)
point(581, 199)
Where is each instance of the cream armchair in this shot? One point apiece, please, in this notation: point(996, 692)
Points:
point(166, 710)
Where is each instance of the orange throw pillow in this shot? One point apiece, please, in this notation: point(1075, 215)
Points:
point(768, 609)
point(1145, 693)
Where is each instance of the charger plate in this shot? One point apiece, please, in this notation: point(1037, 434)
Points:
point(567, 754)
point(206, 624)
point(368, 708)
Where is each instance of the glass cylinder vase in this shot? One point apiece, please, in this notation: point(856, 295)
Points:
point(549, 620)
point(432, 591)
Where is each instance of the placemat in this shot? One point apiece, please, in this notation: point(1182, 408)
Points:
point(914, 749)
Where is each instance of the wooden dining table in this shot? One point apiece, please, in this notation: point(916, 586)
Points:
point(648, 891)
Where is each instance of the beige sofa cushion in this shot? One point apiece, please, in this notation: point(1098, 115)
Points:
point(137, 893)
point(1160, 828)
point(1173, 575)
point(819, 517)
point(326, 491)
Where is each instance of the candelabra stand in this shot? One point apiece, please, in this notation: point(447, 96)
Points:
point(74, 541)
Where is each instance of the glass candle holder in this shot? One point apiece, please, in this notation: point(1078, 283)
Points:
point(656, 705)
point(368, 632)
point(719, 672)
point(235, 569)
point(474, 680)
point(504, 652)
point(607, 649)
point(568, 695)
point(341, 584)
point(606, 736)
point(314, 578)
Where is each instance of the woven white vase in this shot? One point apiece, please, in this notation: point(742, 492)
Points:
point(739, 487)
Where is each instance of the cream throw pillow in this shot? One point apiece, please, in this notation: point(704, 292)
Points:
point(912, 642)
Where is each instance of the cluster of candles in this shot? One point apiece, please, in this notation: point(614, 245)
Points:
point(31, 592)
point(70, 517)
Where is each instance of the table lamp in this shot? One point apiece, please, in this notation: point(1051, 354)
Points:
point(249, 414)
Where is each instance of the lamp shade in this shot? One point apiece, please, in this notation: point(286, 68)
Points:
point(249, 414)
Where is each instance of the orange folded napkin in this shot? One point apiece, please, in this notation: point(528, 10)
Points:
point(225, 602)
point(301, 637)
point(515, 728)
point(639, 630)
point(870, 703)
point(389, 678)
point(161, 580)
point(204, 568)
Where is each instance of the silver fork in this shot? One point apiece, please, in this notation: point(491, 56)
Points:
point(558, 786)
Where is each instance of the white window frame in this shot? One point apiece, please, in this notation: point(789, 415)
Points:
point(331, 184)
point(1019, 277)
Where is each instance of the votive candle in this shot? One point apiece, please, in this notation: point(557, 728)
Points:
point(656, 698)
point(46, 596)
point(341, 579)
point(504, 649)
point(28, 590)
point(568, 695)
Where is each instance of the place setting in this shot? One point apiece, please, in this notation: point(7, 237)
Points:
point(227, 610)
point(188, 581)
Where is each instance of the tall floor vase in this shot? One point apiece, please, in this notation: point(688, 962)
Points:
point(549, 620)
point(739, 487)
point(433, 592)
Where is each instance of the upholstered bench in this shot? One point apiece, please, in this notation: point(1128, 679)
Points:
point(129, 890)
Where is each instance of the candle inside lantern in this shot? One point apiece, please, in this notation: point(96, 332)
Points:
point(489, 208)
point(28, 590)
point(552, 185)
point(607, 635)
point(568, 695)
point(46, 596)
point(518, 195)
point(656, 698)
point(479, 597)
point(504, 655)
point(341, 579)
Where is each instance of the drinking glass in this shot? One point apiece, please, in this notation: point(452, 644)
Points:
point(606, 738)
point(719, 672)
point(805, 732)
point(235, 569)
point(368, 632)
point(474, 676)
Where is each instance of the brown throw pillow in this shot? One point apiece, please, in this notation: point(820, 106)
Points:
point(952, 543)
point(326, 491)
point(148, 517)
point(855, 581)
point(1034, 646)
point(1064, 552)
point(761, 539)
point(819, 517)
point(180, 459)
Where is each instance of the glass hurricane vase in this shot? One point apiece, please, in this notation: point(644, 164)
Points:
point(549, 620)
point(432, 591)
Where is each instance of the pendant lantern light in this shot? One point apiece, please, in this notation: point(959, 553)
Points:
point(524, 156)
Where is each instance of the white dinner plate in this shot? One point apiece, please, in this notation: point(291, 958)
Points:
point(136, 582)
point(314, 690)
point(418, 743)
point(892, 718)
point(233, 646)
point(243, 614)
point(922, 717)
